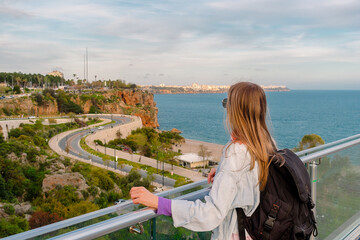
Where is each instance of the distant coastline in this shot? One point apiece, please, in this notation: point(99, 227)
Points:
point(196, 89)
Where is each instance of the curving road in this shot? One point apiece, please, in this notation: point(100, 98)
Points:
point(72, 140)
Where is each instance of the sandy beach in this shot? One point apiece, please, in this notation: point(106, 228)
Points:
point(193, 146)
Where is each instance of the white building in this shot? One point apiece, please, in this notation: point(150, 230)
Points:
point(193, 160)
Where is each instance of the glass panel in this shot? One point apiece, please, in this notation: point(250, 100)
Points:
point(111, 215)
point(87, 223)
point(338, 191)
point(126, 234)
point(166, 230)
point(170, 196)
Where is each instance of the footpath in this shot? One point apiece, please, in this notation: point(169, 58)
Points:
point(53, 143)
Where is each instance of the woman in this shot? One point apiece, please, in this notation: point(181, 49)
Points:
point(240, 176)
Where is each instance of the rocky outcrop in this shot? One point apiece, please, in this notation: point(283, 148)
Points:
point(132, 102)
point(22, 208)
point(174, 130)
point(26, 106)
point(74, 179)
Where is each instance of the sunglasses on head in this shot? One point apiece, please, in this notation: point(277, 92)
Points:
point(224, 102)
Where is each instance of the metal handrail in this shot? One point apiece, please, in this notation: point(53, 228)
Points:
point(139, 216)
point(89, 216)
point(143, 215)
point(318, 148)
point(126, 220)
point(329, 151)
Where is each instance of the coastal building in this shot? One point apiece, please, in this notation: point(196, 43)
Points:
point(192, 160)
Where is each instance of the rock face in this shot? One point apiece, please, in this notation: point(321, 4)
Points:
point(175, 130)
point(22, 208)
point(25, 105)
point(74, 179)
point(132, 102)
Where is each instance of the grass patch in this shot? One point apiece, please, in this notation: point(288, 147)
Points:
point(180, 180)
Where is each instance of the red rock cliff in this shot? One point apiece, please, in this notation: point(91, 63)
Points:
point(132, 102)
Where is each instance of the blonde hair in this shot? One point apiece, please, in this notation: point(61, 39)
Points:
point(246, 120)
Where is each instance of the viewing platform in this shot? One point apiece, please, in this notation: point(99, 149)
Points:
point(334, 170)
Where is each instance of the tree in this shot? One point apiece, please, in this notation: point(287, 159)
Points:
point(16, 89)
point(309, 141)
point(121, 165)
point(118, 134)
point(71, 115)
point(106, 160)
point(204, 153)
point(67, 148)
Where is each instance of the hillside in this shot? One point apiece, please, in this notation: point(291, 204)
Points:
point(123, 101)
point(38, 187)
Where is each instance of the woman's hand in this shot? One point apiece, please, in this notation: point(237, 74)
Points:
point(211, 175)
point(140, 195)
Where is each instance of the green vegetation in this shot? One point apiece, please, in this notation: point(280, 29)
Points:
point(16, 89)
point(26, 160)
point(337, 198)
point(309, 141)
point(180, 180)
point(24, 80)
point(148, 142)
point(40, 81)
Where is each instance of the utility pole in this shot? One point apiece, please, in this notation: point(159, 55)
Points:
point(87, 66)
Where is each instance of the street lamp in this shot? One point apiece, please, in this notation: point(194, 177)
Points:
point(157, 162)
point(163, 174)
point(115, 157)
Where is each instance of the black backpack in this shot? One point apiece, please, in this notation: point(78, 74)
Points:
point(285, 209)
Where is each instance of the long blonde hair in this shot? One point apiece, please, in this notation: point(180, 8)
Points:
point(246, 120)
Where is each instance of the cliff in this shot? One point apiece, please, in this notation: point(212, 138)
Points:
point(130, 102)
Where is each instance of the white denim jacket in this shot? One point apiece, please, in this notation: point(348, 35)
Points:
point(234, 186)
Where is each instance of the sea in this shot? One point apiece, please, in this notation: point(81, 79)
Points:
point(333, 115)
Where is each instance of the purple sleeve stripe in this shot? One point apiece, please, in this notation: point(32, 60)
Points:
point(164, 207)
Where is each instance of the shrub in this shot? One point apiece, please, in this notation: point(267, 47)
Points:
point(93, 191)
point(52, 120)
point(16, 89)
point(13, 226)
point(9, 209)
point(94, 109)
point(41, 218)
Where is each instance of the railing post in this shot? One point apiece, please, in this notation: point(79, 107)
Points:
point(314, 179)
point(153, 229)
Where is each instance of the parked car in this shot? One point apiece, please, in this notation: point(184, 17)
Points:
point(101, 127)
point(92, 130)
point(119, 201)
point(31, 117)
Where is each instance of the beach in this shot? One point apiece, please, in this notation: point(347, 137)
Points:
point(193, 146)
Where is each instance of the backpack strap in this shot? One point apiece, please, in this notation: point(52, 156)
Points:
point(269, 223)
point(241, 223)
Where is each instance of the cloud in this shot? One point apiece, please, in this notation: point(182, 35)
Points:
point(266, 41)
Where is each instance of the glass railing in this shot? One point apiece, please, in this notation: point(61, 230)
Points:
point(334, 169)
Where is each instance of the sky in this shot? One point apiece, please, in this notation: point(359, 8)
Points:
point(302, 44)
